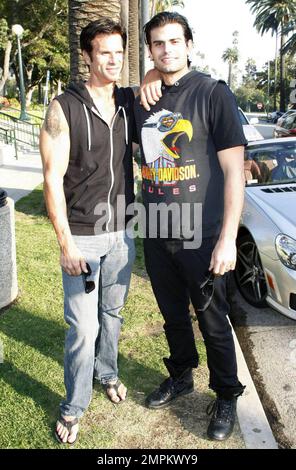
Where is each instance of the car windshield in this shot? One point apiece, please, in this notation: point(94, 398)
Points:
point(242, 117)
point(271, 163)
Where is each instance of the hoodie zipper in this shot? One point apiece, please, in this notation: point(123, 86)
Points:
point(111, 159)
point(88, 128)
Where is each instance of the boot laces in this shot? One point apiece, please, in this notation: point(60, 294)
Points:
point(221, 409)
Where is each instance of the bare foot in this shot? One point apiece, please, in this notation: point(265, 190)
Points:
point(116, 393)
point(63, 432)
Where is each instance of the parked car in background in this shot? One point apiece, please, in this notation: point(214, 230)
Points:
point(266, 245)
point(274, 116)
point(251, 133)
point(287, 127)
point(284, 116)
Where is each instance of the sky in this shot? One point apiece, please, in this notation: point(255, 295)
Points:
point(214, 21)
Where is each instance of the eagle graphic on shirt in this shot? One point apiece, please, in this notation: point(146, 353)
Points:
point(160, 134)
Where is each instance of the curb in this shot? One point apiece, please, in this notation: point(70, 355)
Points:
point(254, 425)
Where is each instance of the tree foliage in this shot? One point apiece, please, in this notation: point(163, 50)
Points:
point(278, 17)
point(231, 56)
point(157, 6)
point(44, 41)
point(259, 85)
point(248, 94)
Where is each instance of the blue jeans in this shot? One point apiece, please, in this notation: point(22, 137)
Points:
point(91, 346)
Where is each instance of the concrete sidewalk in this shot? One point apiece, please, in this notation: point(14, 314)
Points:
point(20, 177)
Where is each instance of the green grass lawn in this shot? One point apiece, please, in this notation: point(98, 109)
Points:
point(31, 377)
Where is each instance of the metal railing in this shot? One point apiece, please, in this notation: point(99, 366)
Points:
point(24, 133)
point(15, 112)
point(8, 137)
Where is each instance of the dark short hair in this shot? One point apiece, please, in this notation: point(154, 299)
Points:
point(166, 17)
point(101, 26)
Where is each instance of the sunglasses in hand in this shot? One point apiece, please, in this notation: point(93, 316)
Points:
point(89, 286)
point(207, 286)
point(207, 290)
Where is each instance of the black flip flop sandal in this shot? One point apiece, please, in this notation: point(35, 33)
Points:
point(110, 386)
point(68, 425)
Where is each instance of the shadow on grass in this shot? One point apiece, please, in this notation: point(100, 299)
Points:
point(33, 204)
point(34, 331)
point(27, 386)
point(140, 378)
point(191, 412)
point(41, 334)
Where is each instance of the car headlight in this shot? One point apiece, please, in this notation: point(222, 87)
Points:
point(286, 250)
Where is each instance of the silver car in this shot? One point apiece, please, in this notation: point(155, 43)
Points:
point(266, 263)
point(250, 131)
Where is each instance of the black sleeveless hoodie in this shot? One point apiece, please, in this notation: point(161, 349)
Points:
point(100, 165)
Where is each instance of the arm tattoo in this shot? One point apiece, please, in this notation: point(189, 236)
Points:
point(52, 123)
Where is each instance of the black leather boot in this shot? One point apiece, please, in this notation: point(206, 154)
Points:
point(223, 418)
point(170, 389)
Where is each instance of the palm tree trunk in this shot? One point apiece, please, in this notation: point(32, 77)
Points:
point(124, 21)
point(81, 12)
point(144, 61)
point(275, 71)
point(133, 43)
point(282, 75)
point(230, 74)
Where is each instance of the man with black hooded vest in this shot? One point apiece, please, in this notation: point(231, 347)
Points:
point(86, 148)
point(192, 147)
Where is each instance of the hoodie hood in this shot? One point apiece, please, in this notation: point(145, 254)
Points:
point(81, 93)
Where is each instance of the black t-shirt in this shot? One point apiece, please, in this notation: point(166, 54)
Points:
point(225, 125)
point(179, 140)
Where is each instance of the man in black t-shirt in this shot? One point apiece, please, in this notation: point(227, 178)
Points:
point(192, 146)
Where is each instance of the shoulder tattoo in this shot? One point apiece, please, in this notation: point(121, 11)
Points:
point(52, 122)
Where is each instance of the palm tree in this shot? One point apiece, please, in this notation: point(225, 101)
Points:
point(124, 21)
point(274, 16)
point(81, 12)
point(230, 55)
point(133, 43)
point(290, 45)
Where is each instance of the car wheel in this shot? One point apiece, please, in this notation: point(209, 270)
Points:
point(249, 273)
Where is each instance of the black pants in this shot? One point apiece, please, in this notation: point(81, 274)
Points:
point(176, 274)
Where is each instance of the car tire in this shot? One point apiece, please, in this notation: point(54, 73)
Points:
point(249, 274)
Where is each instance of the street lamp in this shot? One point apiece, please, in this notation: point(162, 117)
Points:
point(18, 30)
